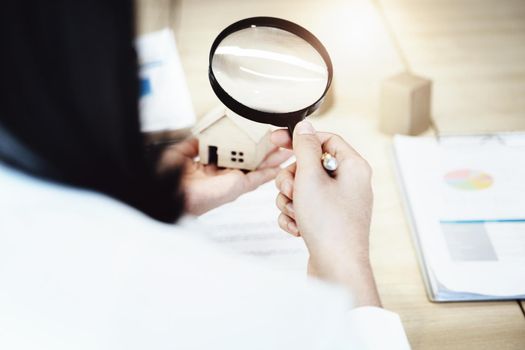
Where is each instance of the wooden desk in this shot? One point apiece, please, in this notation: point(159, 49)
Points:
point(475, 55)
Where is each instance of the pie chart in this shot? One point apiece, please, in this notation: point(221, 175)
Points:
point(469, 180)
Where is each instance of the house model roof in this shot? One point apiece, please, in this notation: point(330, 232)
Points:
point(255, 131)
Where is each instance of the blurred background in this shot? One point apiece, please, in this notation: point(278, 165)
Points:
point(472, 50)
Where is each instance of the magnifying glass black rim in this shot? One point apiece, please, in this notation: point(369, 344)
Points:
point(278, 119)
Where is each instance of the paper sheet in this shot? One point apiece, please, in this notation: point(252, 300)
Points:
point(249, 226)
point(483, 258)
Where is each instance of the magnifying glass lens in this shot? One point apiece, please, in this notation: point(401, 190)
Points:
point(270, 70)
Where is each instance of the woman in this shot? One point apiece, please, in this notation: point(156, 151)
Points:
point(82, 262)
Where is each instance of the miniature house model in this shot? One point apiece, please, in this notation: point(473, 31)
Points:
point(230, 141)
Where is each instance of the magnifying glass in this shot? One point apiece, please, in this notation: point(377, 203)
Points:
point(270, 70)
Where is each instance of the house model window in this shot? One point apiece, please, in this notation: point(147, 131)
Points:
point(237, 157)
point(230, 141)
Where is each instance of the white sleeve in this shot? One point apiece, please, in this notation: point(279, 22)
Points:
point(376, 328)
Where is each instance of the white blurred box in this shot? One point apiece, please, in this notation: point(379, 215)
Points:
point(165, 102)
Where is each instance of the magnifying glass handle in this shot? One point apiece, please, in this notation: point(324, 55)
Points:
point(291, 127)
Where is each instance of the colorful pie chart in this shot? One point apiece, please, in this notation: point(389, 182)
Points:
point(470, 180)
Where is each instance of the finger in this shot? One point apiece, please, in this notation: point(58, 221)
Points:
point(331, 143)
point(346, 155)
point(178, 154)
point(256, 178)
point(276, 158)
point(281, 138)
point(337, 146)
point(285, 205)
point(288, 224)
point(307, 148)
point(292, 168)
point(188, 147)
point(285, 179)
point(213, 169)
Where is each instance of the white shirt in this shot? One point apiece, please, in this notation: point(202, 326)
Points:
point(79, 270)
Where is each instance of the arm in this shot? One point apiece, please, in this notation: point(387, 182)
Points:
point(335, 228)
point(332, 214)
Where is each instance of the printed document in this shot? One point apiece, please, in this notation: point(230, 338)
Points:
point(249, 226)
point(465, 196)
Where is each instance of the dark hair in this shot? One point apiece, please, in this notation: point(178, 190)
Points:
point(69, 101)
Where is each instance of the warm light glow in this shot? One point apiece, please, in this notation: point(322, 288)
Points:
point(269, 55)
point(281, 77)
point(364, 30)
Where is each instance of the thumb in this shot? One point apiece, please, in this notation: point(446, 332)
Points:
point(307, 147)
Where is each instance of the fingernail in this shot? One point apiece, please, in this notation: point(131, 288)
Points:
point(304, 128)
point(289, 208)
point(293, 228)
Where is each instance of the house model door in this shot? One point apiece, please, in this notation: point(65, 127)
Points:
point(212, 155)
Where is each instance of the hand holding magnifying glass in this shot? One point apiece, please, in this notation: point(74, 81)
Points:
point(271, 71)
